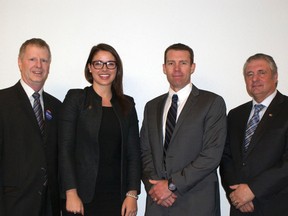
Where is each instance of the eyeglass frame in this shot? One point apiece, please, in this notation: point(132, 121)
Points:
point(104, 63)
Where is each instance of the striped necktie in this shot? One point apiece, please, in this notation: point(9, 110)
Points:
point(252, 125)
point(170, 122)
point(38, 111)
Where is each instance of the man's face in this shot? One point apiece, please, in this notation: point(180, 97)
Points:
point(178, 68)
point(34, 66)
point(259, 79)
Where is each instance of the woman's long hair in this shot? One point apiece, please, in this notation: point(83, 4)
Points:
point(117, 84)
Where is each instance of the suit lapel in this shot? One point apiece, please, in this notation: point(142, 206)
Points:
point(159, 119)
point(48, 115)
point(191, 100)
point(270, 114)
point(92, 109)
point(27, 108)
point(241, 124)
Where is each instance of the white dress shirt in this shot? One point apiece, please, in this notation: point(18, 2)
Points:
point(266, 102)
point(182, 98)
point(29, 91)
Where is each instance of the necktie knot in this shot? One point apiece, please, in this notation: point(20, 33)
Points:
point(36, 95)
point(258, 107)
point(175, 99)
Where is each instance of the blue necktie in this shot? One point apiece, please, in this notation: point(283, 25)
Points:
point(38, 111)
point(252, 125)
point(170, 122)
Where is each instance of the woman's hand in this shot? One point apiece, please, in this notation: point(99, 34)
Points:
point(129, 206)
point(73, 202)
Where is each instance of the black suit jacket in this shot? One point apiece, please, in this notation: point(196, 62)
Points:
point(24, 152)
point(265, 166)
point(79, 126)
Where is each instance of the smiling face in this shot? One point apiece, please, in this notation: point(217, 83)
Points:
point(178, 68)
point(34, 66)
point(260, 80)
point(103, 77)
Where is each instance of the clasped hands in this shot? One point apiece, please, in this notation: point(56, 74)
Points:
point(161, 194)
point(241, 197)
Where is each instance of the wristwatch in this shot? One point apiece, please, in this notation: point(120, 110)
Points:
point(171, 186)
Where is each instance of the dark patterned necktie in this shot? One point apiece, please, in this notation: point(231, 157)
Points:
point(252, 125)
point(38, 111)
point(170, 122)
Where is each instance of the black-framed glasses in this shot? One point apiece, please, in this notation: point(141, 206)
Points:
point(99, 64)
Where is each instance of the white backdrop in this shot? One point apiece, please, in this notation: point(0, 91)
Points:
point(222, 33)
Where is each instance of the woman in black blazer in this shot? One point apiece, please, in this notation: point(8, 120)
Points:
point(99, 153)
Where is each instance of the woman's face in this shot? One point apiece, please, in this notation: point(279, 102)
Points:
point(103, 68)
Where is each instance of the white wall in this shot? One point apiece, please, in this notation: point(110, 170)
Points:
point(223, 34)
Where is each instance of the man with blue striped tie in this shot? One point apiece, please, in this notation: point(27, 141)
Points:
point(254, 166)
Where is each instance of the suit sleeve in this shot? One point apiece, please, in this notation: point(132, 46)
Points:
point(227, 170)
point(133, 153)
point(67, 140)
point(213, 141)
point(148, 169)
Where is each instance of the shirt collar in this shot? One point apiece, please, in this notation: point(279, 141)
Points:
point(182, 93)
point(266, 102)
point(29, 91)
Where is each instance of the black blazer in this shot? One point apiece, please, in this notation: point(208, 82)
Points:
point(79, 149)
point(265, 166)
point(23, 152)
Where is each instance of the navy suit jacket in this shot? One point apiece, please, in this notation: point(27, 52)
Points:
point(24, 152)
point(265, 165)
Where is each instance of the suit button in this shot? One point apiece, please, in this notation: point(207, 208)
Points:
point(243, 164)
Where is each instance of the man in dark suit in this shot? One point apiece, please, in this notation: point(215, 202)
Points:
point(254, 167)
point(180, 175)
point(28, 144)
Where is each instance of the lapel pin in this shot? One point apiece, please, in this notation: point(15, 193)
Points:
point(48, 115)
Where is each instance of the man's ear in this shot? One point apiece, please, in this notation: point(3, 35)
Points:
point(193, 66)
point(164, 68)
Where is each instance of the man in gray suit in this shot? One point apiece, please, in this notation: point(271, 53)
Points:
point(180, 160)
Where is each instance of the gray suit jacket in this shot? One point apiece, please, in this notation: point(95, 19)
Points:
point(193, 155)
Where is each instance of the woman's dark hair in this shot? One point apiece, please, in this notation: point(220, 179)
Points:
point(117, 84)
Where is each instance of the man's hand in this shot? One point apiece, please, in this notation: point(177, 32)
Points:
point(169, 201)
point(161, 194)
point(248, 207)
point(242, 195)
